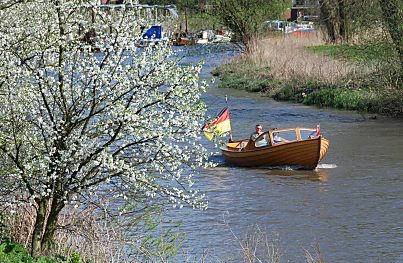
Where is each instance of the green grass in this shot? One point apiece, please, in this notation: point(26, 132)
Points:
point(357, 53)
point(367, 97)
point(242, 66)
point(295, 92)
point(244, 74)
point(366, 93)
point(388, 102)
point(244, 83)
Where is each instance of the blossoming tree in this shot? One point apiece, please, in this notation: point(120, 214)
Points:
point(74, 120)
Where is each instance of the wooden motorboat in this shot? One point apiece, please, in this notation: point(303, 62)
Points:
point(300, 147)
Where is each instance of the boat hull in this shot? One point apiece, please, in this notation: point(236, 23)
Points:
point(305, 154)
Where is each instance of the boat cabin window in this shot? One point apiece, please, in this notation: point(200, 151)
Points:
point(263, 140)
point(284, 136)
point(307, 134)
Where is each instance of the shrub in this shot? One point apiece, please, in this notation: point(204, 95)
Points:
point(11, 252)
point(244, 83)
point(389, 102)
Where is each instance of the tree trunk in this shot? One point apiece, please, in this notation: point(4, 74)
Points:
point(45, 225)
point(393, 22)
point(47, 214)
point(51, 226)
point(40, 223)
point(327, 19)
point(342, 21)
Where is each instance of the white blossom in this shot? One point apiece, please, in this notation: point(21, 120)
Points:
point(72, 119)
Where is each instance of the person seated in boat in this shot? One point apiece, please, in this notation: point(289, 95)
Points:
point(261, 141)
point(277, 138)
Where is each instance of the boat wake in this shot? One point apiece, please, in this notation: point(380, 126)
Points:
point(326, 166)
point(218, 160)
point(282, 168)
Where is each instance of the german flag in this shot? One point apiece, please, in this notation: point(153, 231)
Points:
point(318, 130)
point(220, 125)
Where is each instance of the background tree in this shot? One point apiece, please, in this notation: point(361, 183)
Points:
point(366, 22)
point(245, 17)
point(392, 14)
point(334, 21)
point(76, 122)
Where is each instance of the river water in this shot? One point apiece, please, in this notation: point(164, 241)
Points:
point(351, 205)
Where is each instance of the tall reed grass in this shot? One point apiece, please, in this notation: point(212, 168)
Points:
point(285, 68)
point(93, 235)
point(289, 60)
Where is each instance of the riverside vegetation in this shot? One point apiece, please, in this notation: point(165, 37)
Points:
point(93, 148)
point(55, 163)
point(306, 70)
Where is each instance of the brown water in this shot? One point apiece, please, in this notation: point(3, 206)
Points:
point(351, 205)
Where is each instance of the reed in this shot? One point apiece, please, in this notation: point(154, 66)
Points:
point(91, 234)
point(288, 60)
point(18, 224)
point(303, 69)
point(315, 257)
point(259, 245)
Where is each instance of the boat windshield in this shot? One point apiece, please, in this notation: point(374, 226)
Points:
point(263, 140)
point(281, 136)
point(307, 134)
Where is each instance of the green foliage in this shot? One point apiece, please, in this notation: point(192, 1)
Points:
point(361, 94)
point(288, 92)
point(243, 83)
point(11, 252)
point(388, 102)
point(180, 4)
point(295, 92)
point(337, 98)
point(245, 17)
point(75, 257)
point(243, 66)
point(362, 15)
point(200, 21)
point(245, 75)
point(166, 244)
point(160, 241)
point(156, 240)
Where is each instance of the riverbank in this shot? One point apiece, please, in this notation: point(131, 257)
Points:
point(305, 70)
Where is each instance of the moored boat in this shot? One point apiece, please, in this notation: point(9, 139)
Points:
point(300, 147)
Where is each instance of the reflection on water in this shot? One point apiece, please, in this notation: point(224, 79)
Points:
point(321, 175)
point(218, 170)
point(351, 205)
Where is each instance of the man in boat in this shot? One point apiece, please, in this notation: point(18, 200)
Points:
point(261, 141)
point(277, 138)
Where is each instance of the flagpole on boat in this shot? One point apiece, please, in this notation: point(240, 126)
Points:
point(230, 132)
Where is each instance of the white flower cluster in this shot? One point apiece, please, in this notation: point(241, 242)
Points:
point(81, 106)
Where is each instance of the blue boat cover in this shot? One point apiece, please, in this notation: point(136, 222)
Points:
point(153, 32)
